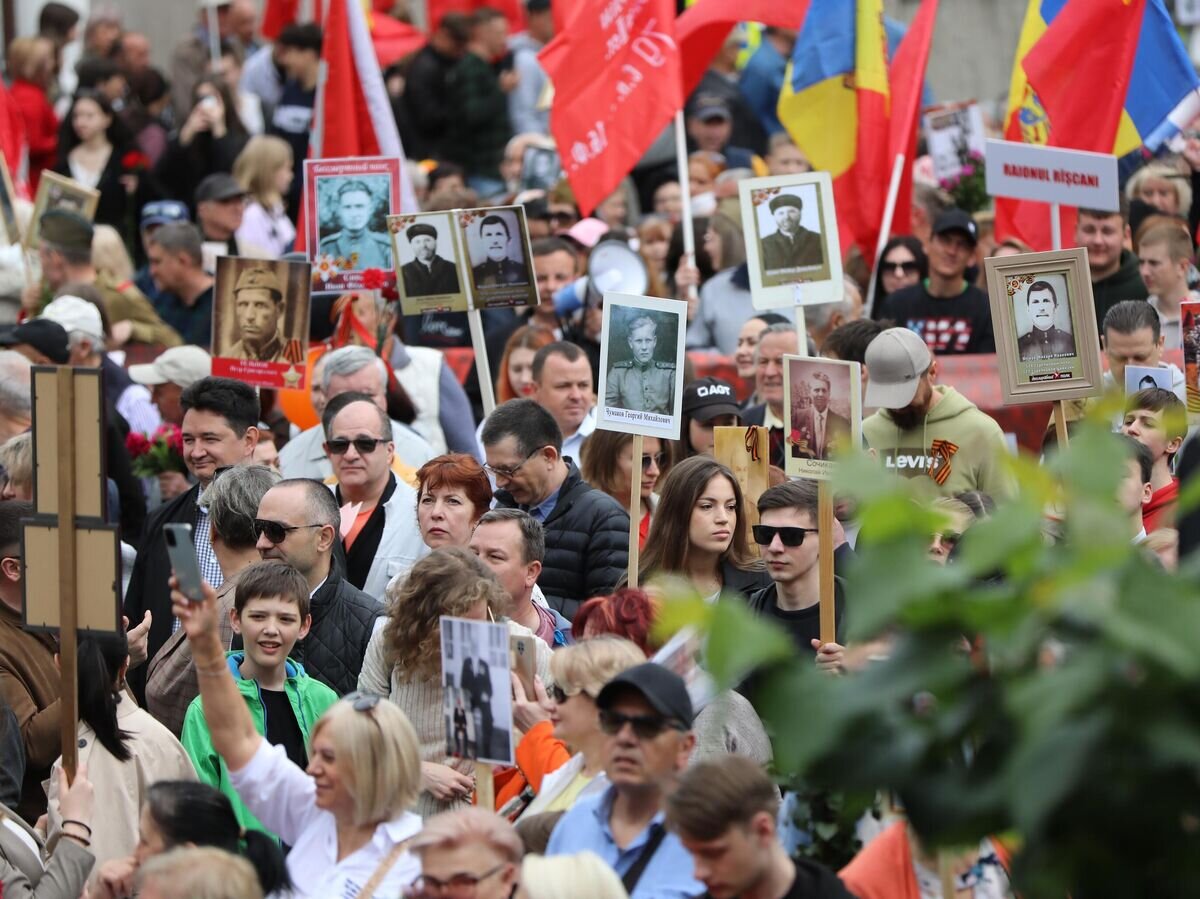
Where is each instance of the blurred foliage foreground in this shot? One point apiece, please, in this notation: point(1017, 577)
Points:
point(1073, 731)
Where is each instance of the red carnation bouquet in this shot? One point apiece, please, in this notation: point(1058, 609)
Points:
point(152, 456)
point(134, 163)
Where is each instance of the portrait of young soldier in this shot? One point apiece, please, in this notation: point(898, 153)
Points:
point(643, 383)
point(355, 206)
point(791, 245)
point(1044, 339)
point(258, 310)
point(428, 274)
point(498, 267)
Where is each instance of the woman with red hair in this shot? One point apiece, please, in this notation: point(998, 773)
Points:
point(453, 491)
point(516, 365)
point(628, 613)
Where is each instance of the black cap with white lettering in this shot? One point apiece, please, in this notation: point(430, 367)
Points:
point(706, 398)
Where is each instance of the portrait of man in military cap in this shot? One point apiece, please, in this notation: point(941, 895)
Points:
point(496, 257)
point(59, 192)
point(260, 315)
point(349, 205)
point(1047, 336)
point(644, 382)
point(428, 274)
point(790, 245)
point(258, 306)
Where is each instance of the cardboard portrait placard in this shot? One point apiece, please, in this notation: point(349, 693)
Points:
point(430, 274)
point(822, 409)
point(793, 252)
point(477, 690)
point(641, 366)
point(1044, 320)
point(541, 168)
point(57, 191)
point(497, 246)
point(347, 203)
point(261, 320)
point(1189, 326)
point(954, 133)
point(1139, 377)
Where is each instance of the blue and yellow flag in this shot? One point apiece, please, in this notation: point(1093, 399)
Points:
point(835, 105)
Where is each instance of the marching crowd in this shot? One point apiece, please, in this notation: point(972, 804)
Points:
point(287, 735)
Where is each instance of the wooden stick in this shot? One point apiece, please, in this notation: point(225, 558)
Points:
point(635, 505)
point(482, 370)
point(885, 228)
point(485, 790)
point(68, 610)
point(825, 561)
point(1060, 424)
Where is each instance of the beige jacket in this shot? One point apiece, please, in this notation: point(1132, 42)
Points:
point(121, 786)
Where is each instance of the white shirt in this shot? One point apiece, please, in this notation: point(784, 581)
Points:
point(283, 798)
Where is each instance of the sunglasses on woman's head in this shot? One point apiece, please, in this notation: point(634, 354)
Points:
point(362, 702)
point(764, 535)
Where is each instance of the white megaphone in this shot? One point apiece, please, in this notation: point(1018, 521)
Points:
point(611, 267)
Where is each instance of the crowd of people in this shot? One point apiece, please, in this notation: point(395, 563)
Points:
point(288, 734)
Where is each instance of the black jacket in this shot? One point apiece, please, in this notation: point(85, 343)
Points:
point(343, 618)
point(587, 543)
point(148, 584)
point(746, 581)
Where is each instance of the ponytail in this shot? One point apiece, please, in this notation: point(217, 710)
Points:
point(190, 812)
point(99, 661)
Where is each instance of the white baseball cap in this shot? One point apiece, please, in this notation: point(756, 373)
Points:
point(182, 365)
point(895, 359)
point(78, 316)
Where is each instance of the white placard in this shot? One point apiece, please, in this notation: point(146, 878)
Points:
point(953, 131)
point(1052, 175)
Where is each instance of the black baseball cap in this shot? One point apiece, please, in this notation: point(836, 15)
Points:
point(663, 689)
point(706, 398)
point(47, 337)
point(954, 219)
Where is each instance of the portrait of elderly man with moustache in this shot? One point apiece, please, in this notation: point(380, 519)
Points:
point(495, 239)
point(428, 274)
point(791, 245)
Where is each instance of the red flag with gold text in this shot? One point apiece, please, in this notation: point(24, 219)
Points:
point(617, 84)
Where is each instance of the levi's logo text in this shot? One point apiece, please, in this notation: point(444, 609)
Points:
point(915, 462)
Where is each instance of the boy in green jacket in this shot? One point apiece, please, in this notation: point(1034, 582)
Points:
point(271, 613)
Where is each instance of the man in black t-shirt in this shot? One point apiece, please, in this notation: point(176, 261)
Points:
point(787, 538)
point(951, 314)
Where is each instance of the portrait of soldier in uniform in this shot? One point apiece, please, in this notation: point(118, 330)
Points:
point(258, 310)
point(791, 245)
point(1043, 340)
point(428, 274)
point(498, 267)
point(642, 383)
point(355, 206)
point(816, 429)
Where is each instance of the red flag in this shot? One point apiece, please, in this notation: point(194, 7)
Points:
point(12, 142)
point(394, 39)
point(278, 14)
point(704, 25)
point(616, 86)
point(353, 115)
point(1080, 70)
point(906, 73)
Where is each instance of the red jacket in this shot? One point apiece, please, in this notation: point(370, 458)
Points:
point(41, 127)
point(1160, 511)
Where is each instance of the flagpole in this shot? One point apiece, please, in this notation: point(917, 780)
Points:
point(1055, 227)
point(885, 228)
point(685, 194)
point(214, 37)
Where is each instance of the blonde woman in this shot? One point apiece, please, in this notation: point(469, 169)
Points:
point(404, 660)
point(346, 816)
point(110, 259)
point(1162, 186)
point(580, 876)
point(561, 756)
point(265, 168)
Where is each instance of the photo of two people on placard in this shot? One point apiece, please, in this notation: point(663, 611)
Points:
point(477, 690)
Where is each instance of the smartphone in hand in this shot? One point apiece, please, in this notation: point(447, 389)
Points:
point(182, 553)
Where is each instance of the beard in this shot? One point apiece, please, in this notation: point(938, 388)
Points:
point(909, 417)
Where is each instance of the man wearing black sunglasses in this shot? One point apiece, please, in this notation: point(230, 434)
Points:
point(646, 716)
point(384, 538)
point(787, 538)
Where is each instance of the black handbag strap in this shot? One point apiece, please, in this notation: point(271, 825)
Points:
point(657, 834)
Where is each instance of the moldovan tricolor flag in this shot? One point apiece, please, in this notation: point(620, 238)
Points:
point(353, 116)
point(1111, 76)
point(836, 106)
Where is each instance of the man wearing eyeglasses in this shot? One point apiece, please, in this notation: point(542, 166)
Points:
point(587, 531)
point(646, 716)
point(299, 523)
point(787, 538)
point(383, 539)
point(220, 429)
